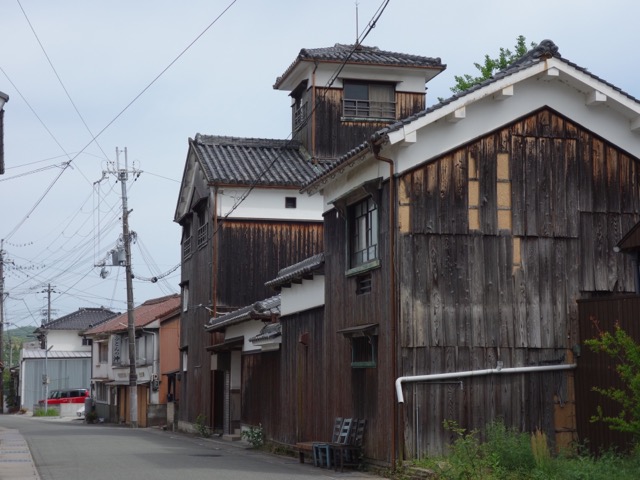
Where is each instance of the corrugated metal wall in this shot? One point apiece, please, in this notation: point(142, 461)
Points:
point(597, 369)
point(63, 373)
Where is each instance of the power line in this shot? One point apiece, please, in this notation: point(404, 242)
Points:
point(68, 164)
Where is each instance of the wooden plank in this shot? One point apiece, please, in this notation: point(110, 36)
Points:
point(491, 312)
point(613, 180)
point(476, 289)
point(462, 291)
point(458, 210)
point(560, 286)
point(601, 250)
point(544, 188)
point(434, 295)
point(530, 259)
point(518, 186)
point(559, 188)
point(599, 175)
point(585, 172)
point(530, 186)
point(506, 301)
point(586, 258)
point(572, 190)
point(488, 190)
point(448, 274)
point(432, 198)
point(546, 261)
point(446, 219)
point(521, 337)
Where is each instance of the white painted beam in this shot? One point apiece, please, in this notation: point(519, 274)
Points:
point(506, 92)
point(457, 115)
point(594, 97)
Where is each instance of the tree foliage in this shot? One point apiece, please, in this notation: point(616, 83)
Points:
point(491, 65)
point(626, 351)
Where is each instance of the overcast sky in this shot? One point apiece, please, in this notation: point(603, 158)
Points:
point(60, 56)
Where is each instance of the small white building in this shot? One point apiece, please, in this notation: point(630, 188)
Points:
point(61, 358)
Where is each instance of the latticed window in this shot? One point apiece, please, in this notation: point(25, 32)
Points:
point(186, 240)
point(363, 219)
point(202, 228)
point(369, 100)
point(103, 352)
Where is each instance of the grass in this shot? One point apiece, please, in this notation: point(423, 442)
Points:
point(49, 412)
point(510, 455)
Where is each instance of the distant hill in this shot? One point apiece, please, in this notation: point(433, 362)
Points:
point(18, 336)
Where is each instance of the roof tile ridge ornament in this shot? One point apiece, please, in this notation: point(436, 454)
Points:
point(545, 49)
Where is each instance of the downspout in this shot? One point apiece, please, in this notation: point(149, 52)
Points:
point(313, 112)
point(375, 147)
point(214, 250)
point(477, 373)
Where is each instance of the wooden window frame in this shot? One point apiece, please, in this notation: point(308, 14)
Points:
point(358, 104)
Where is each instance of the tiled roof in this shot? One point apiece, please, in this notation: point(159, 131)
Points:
point(361, 55)
point(546, 49)
point(253, 161)
point(259, 310)
point(298, 271)
point(79, 320)
point(144, 314)
point(268, 332)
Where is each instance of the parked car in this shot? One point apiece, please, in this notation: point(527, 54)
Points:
point(80, 412)
point(70, 395)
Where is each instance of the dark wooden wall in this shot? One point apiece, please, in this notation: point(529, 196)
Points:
point(285, 390)
point(598, 369)
point(252, 252)
point(362, 393)
point(335, 137)
point(499, 239)
point(497, 242)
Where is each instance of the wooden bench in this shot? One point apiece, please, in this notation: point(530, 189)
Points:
point(304, 448)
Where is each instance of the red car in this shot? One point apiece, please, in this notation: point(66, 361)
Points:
point(71, 395)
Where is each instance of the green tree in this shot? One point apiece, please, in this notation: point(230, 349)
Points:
point(626, 351)
point(491, 65)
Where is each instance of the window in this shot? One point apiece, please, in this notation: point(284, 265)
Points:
point(186, 240)
point(87, 341)
point(363, 284)
point(103, 352)
point(202, 228)
point(363, 232)
point(290, 202)
point(101, 392)
point(364, 345)
point(369, 100)
point(185, 297)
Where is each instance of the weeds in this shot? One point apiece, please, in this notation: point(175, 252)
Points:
point(509, 455)
point(201, 427)
point(49, 412)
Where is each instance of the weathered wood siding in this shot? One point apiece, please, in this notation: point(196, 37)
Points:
point(334, 136)
point(365, 392)
point(598, 369)
point(252, 252)
point(499, 240)
point(285, 390)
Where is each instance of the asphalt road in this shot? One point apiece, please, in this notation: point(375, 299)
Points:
point(73, 450)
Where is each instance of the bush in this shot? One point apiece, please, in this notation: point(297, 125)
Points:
point(254, 435)
point(201, 427)
point(621, 347)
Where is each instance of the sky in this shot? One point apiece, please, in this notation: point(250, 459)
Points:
point(88, 78)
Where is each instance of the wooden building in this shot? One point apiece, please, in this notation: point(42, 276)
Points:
point(243, 217)
point(457, 245)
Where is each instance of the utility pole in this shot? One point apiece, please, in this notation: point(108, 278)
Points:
point(1, 326)
point(123, 176)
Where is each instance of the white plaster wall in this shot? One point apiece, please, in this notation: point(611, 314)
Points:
point(268, 204)
point(300, 297)
point(248, 329)
point(66, 341)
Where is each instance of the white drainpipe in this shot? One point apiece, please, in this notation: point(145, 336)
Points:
point(476, 373)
